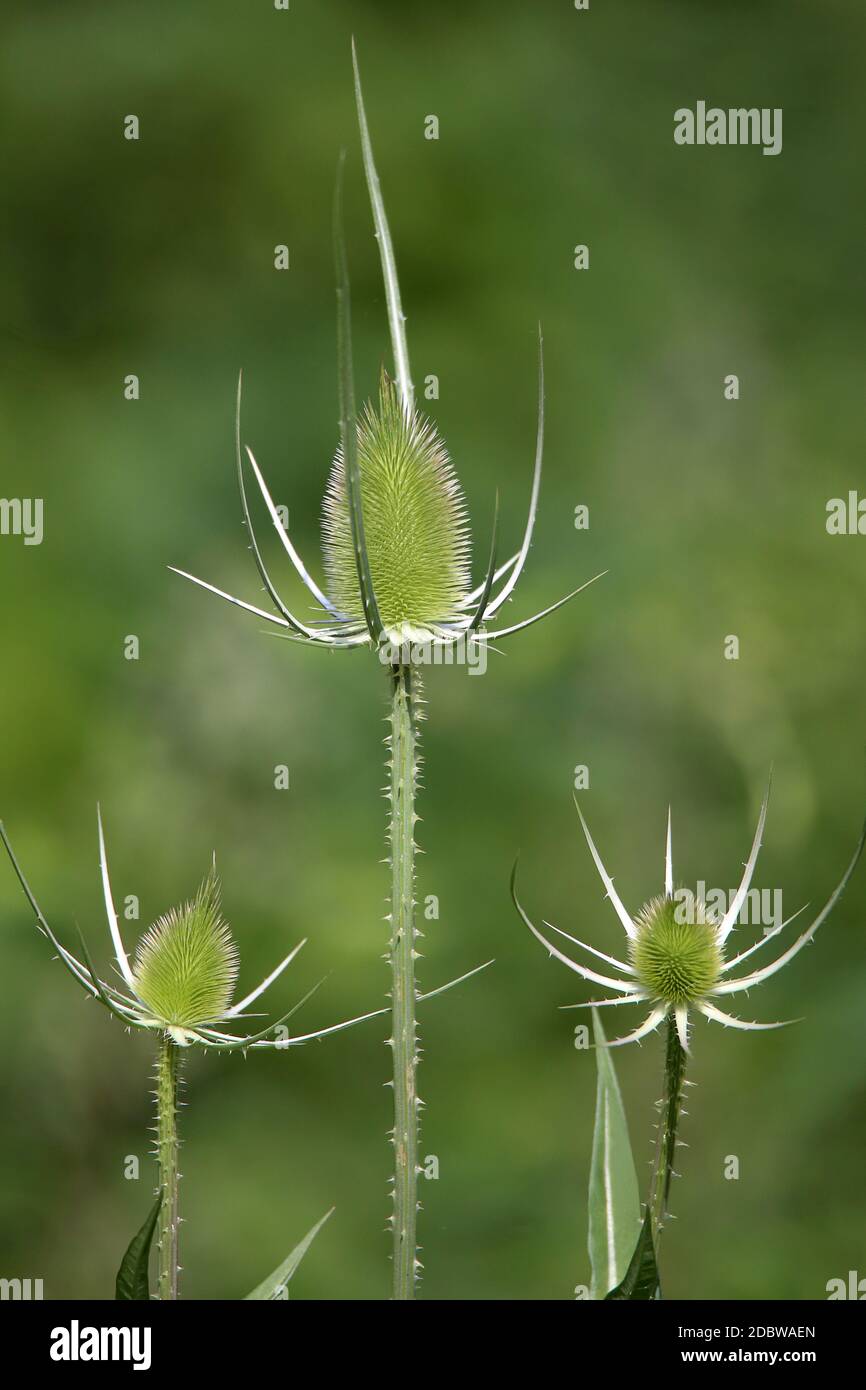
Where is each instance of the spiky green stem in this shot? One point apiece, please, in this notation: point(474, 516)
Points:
point(666, 1140)
point(404, 1036)
point(167, 1069)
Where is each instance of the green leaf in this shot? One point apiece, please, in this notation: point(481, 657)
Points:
point(132, 1282)
point(614, 1203)
point(274, 1286)
point(642, 1277)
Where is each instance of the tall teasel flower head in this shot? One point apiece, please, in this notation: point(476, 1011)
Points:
point(415, 523)
point(182, 978)
point(677, 961)
point(396, 535)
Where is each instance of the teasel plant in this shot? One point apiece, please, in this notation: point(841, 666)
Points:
point(179, 986)
point(677, 962)
point(397, 568)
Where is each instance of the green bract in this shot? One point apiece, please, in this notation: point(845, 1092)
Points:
point(415, 523)
point(186, 965)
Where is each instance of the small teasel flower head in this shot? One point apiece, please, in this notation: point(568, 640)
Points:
point(415, 523)
point(677, 961)
point(674, 959)
point(183, 975)
point(186, 965)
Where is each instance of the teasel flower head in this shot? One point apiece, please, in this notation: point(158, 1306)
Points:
point(182, 978)
point(396, 536)
point(677, 961)
point(415, 523)
point(186, 965)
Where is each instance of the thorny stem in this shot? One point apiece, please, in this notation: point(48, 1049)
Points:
point(404, 1036)
point(666, 1140)
point(167, 1068)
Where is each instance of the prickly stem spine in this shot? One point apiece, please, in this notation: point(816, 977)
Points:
point(167, 1071)
point(403, 782)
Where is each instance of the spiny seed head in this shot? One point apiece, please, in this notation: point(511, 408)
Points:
point(186, 965)
point(675, 961)
point(415, 521)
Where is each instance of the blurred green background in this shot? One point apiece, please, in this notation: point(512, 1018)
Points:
point(156, 258)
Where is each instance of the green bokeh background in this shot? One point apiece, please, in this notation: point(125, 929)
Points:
point(156, 258)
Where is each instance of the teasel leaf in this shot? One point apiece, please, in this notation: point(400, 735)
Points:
point(271, 1288)
point(614, 1201)
point(641, 1282)
point(132, 1277)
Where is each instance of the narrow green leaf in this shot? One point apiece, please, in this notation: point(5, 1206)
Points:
point(274, 1286)
point(132, 1281)
point(614, 1203)
point(641, 1280)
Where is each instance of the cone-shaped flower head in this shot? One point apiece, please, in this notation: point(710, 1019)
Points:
point(186, 965)
point(415, 523)
point(676, 955)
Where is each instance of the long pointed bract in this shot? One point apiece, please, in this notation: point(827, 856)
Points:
point(75, 968)
point(266, 982)
point(545, 612)
point(628, 924)
point(710, 1011)
point(728, 922)
point(475, 594)
point(119, 951)
point(441, 989)
point(348, 420)
point(602, 955)
point(310, 633)
point(762, 941)
point(669, 863)
point(508, 587)
point(285, 541)
point(290, 550)
point(624, 986)
point(396, 319)
point(479, 614)
point(758, 976)
point(650, 1023)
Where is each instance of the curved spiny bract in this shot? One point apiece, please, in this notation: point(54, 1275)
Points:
point(186, 965)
